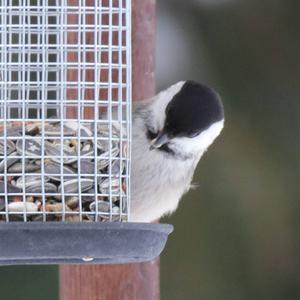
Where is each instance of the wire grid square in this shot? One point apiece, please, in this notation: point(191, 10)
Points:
point(65, 110)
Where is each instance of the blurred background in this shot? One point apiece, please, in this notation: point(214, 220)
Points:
point(237, 235)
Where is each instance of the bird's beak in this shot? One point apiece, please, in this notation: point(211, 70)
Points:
point(160, 140)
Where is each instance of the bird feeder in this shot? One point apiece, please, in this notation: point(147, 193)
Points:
point(65, 135)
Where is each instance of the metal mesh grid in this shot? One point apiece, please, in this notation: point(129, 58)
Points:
point(65, 110)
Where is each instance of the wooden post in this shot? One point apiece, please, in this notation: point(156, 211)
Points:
point(131, 281)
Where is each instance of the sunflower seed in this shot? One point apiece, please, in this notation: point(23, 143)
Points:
point(33, 129)
point(84, 130)
point(104, 210)
point(30, 180)
point(103, 206)
point(71, 186)
point(54, 150)
point(38, 188)
point(10, 188)
point(102, 145)
point(11, 132)
point(67, 156)
point(54, 129)
point(106, 184)
point(31, 147)
point(86, 166)
point(117, 167)
point(10, 147)
point(87, 149)
point(10, 160)
point(52, 167)
point(103, 130)
point(29, 167)
point(103, 159)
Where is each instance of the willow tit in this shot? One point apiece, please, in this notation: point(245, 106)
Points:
point(170, 133)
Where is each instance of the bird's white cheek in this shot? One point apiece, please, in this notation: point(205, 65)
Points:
point(201, 142)
point(209, 135)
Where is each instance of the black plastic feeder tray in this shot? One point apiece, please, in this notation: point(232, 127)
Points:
point(85, 243)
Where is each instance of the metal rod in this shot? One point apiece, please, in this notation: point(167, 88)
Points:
point(131, 281)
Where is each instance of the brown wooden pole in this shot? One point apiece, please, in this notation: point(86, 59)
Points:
point(128, 281)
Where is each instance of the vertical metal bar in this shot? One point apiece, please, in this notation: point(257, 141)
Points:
point(97, 78)
point(120, 101)
point(131, 281)
point(44, 79)
point(5, 91)
point(128, 76)
point(109, 110)
point(61, 58)
point(24, 81)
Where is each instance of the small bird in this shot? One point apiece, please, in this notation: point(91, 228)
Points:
point(170, 133)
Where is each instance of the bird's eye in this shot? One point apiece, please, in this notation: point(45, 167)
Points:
point(151, 135)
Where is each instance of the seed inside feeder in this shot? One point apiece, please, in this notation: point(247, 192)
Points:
point(44, 173)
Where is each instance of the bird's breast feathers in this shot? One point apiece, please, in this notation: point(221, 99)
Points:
point(158, 179)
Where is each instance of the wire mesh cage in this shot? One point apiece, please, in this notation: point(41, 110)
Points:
point(65, 122)
point(65, 110)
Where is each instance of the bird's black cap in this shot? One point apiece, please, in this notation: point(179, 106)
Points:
point(192, 110)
